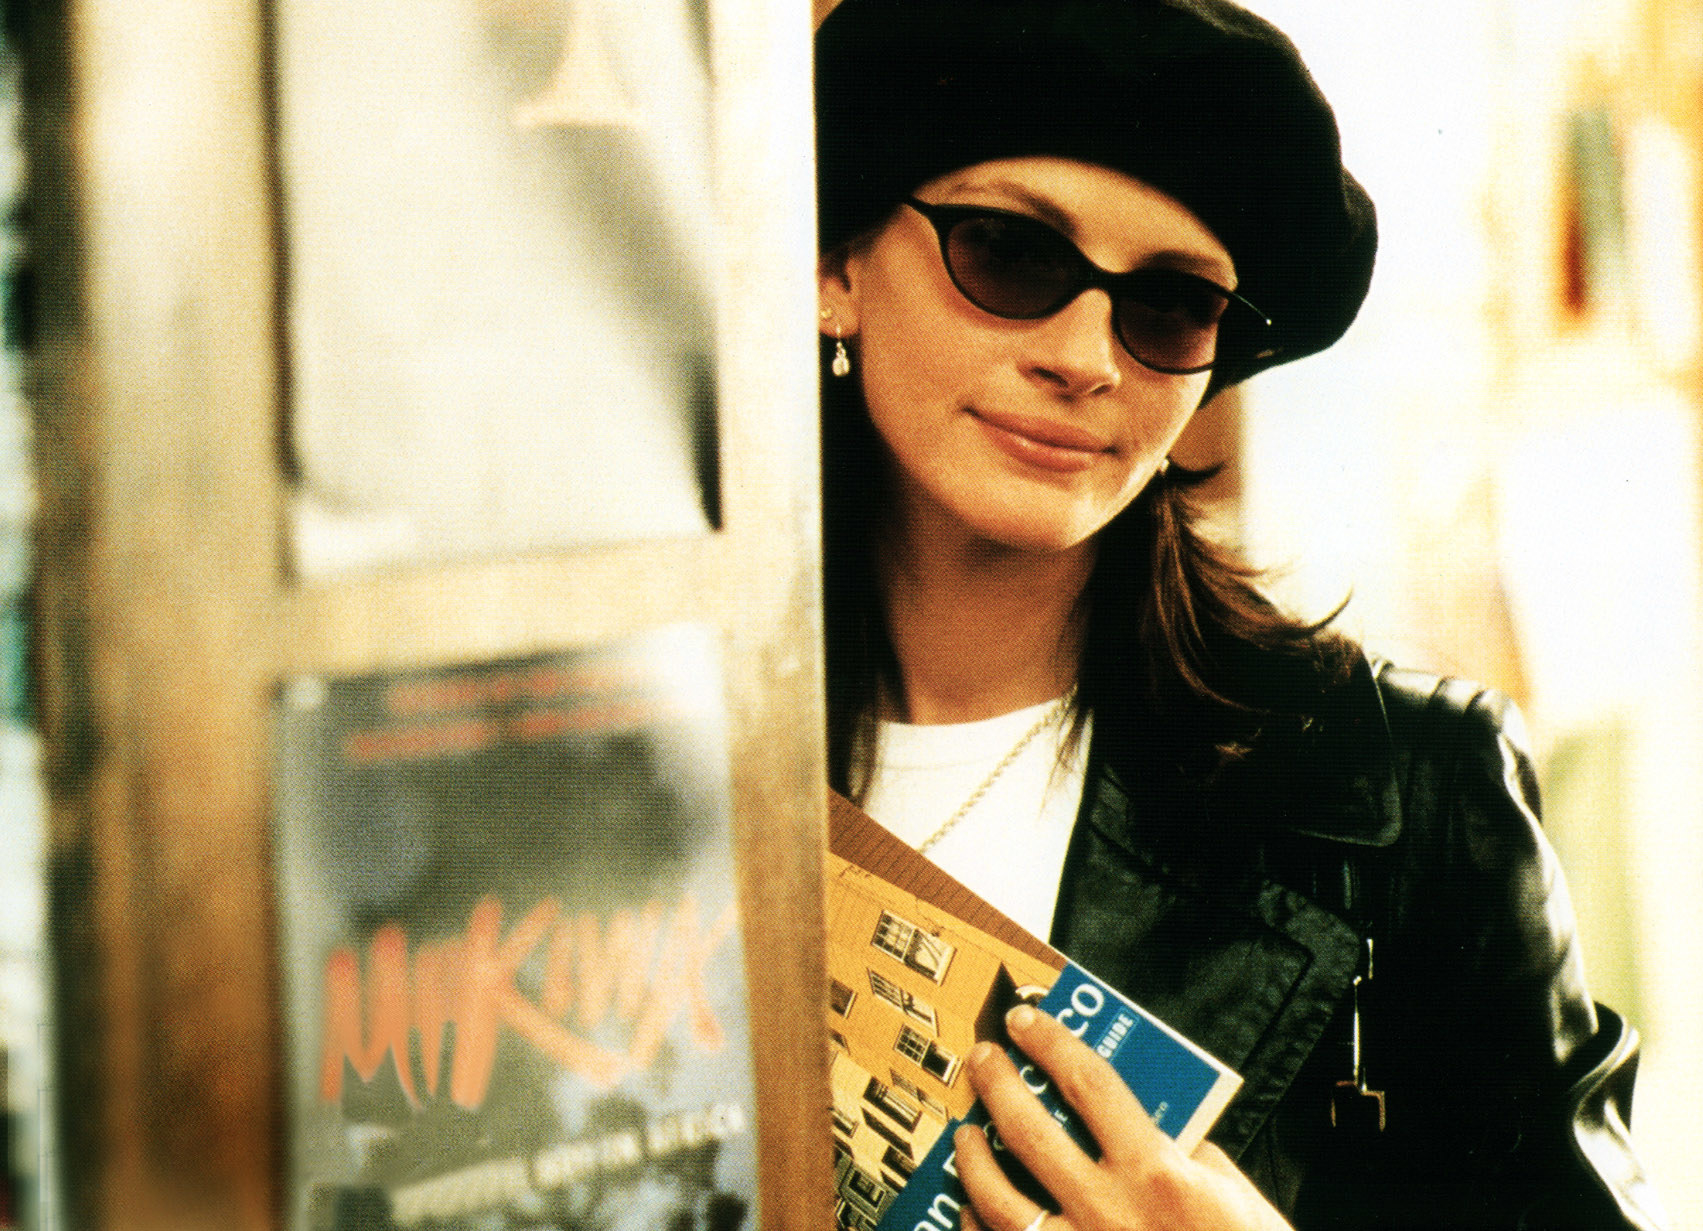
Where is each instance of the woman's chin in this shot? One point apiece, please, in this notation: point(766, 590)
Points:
point(1038, 537)
point(1039, 522)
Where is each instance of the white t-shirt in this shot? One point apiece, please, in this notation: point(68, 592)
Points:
point(1010, 847)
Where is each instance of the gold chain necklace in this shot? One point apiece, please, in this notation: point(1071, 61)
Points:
point(1051, 715)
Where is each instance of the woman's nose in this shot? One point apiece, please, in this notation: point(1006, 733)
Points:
point(1073, 351)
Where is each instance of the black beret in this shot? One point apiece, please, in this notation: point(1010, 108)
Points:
point(1199, 98)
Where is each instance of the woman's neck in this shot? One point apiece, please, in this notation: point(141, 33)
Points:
point(979, 629)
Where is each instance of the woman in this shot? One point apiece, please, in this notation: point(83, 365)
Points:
point(1050, 232)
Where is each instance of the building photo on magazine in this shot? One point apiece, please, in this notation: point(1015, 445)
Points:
point(920, 969)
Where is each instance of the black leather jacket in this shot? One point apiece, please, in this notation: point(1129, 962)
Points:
point(1407, 814)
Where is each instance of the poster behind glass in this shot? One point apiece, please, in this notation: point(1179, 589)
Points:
point(512, 968)
point(499, 276)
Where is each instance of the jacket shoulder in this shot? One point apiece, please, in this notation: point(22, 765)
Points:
point(1446, 731)
point(1378, 745)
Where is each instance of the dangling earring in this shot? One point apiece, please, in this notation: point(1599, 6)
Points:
point(840, 365)
point(1164, 465)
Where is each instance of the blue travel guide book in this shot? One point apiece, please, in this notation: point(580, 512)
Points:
point(1182, 1087)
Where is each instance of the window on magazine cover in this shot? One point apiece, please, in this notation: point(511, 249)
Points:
point(866, 1193)
point(904, 1112)
point(901, 1082)
point(885, 1131)
point(902, 1000)
point(899, 1164)
point(922, 1051)
point(914, 947)
point(845, 1125)
point(840, 997)
point(848, 1215)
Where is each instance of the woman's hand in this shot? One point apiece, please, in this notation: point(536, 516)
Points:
point(1141, 1180)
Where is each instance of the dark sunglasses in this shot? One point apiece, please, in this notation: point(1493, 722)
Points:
point(1019, 268)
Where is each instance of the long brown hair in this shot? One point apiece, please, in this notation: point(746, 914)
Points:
point(1183, 655)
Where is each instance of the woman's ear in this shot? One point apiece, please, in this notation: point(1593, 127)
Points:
point(836, 293)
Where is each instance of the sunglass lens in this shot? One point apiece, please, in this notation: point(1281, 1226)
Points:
point(1170, 320)
point(1011, 266)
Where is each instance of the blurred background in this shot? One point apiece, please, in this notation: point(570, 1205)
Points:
point(1499, 468)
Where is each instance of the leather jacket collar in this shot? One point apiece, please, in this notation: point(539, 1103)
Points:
point(1252, 977)
point(1250, 968)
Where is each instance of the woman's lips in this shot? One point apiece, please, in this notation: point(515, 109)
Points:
point(1062, 447)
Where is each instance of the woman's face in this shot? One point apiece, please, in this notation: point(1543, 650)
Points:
point(1031, 434)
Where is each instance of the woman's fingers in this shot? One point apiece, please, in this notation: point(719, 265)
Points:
point(1141, 1181)
point(997, 1206)
point(1025, 1127)
point(1113, 1115)
point(1214, 1159)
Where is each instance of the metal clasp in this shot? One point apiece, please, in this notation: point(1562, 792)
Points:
point(1352, 1104)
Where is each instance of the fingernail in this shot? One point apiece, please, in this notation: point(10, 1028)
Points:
point(1021, 1017)
point(980, 1053)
